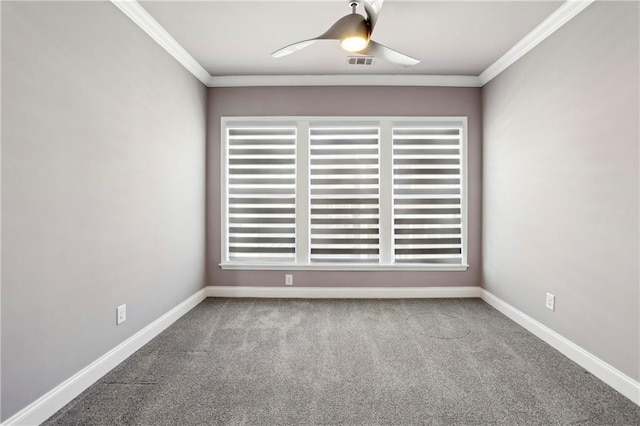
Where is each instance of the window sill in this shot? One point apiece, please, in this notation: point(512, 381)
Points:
point(340, 267)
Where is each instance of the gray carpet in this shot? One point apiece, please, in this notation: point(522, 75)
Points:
point(355, 362)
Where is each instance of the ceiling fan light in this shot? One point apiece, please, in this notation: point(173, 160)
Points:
point(354, 44)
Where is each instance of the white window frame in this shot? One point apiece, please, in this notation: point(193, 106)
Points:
point(302, 190)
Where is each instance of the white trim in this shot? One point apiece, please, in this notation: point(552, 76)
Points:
point(465, 191)
point(224, 195)
point(141, 17)
point(339, 267)
point(345, 80)
point(52, 401)
point(556, 20)
point(290, 120)
point(605, 372)
point(148, 24)
point(385, 228)
point(303, 200)
point(47, 405)
point(302, 125)
point(343, 292)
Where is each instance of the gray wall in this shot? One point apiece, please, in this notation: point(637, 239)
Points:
point(561, 183)
point(103, 144)
point(335, 101)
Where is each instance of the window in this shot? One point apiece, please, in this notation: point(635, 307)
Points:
point(344, 193)
point(262, 194)
point(427, 195)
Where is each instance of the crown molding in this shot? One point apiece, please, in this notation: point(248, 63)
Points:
point(141, 17)
point(345, 80)
point(148, 24)
point(557, 19)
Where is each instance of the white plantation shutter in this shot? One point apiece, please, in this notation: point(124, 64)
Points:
point(344, 194)
point(352, 193)
point(427, 195)
point(261, 173)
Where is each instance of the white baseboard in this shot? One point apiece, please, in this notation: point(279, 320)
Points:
point(605, 372)
point(343, 292)
point(48, 404)
point(45, 406)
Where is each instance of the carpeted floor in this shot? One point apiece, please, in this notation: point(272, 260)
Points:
point(355, 362)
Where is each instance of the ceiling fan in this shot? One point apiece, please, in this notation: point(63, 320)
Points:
point(354, 32)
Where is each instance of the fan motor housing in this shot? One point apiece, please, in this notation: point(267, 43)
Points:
point(353, 25)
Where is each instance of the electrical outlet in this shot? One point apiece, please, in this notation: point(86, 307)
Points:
point(551, 302)
point(121, 314)
point(288, 279)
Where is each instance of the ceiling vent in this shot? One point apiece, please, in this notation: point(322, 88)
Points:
point(360, 60)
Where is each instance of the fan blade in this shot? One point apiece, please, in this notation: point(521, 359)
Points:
point(380, 51)
point(292, 48)
point(345, 26)
point(372, 7)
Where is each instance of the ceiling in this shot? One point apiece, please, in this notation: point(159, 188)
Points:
point(236, 38)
